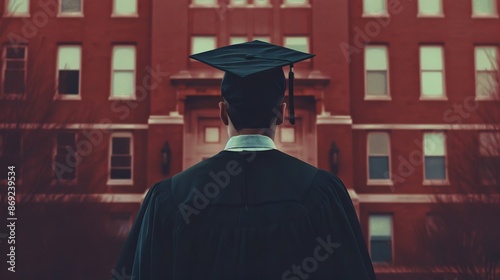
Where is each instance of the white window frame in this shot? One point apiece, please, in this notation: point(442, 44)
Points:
point(133, 96)
point(70, 14)
point(430, 182)
point(392, 236)
point(439, 15)
point(379, 182)
point(384, 14)
point(386, 97)
point(496, 71)
point(492, 15)
point(308, 41)
point(4, 68)
point(117, 15)
point(12, 14)
point(69, 96)
point(127, 182)
point(54, 154)
point(443, 71)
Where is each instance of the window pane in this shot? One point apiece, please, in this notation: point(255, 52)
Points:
point(300, 44)
point(238, 2)
point(435, 168)
point(123, 83)
point(203, 44)
point(212, 134)
point(378, 143)
point(483, 7)
point(123, 58)
point(380, 225)
point(430, 7)
point(125, 7)
point(378, 167)
point(376, 58)
point(69, 58)
point(69, 82)
point(432, 84)
point(121, 161)
point(237, 40)
point(287, 134)
point(205, 2)
point(71, 6)
point(486, 84)
point(15, 52)
point(121, 174)
point(431, 58)
point(17, 7)
point(296, 1)
point(261, 2)
point(381, 249)
point(486, 58)
point(266, 39)
point(121, 146)
point(14, 82)
point(376, 83)
point(489, 144)
point(434, 144)
point(374, 7)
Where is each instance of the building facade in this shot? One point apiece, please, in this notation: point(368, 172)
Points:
point(392, 82)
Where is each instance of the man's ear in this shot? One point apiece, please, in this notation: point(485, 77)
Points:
point(223, 113)
point(281, 117)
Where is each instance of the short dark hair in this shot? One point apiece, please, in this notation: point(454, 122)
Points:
point(253, 115)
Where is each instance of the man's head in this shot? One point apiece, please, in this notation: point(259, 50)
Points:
point(253, 102)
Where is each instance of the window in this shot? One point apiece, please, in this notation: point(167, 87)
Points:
point(300, 44)
point(380, 227)
point(10, 153)
point(121, 158)
point(374, 7)
point(237, 40)
point(430, 8)
point(205, 2)
point(203, 44)
point(261, 2)
point(125, 8)
point(432, 83)
point(123, 76)
point(378, 156)
point(266, 39)
point(64, 156)
point(71, 7)
point(434, 156)
point(14, 75)
point(489, 152)
point(68, 71)
point(17, 8)
point(486, 72)
point(296, 2)
point(238, 2)
point(484, 8)
point(376, 65)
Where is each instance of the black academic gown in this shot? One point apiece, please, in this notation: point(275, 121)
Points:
point(246, 215)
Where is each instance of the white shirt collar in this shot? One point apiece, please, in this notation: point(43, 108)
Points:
point(249, 142)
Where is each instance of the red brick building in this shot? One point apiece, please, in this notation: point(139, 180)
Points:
point(391, 81)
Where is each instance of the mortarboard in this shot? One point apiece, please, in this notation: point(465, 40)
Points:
point(256, 62)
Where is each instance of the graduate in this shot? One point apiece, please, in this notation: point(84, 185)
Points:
point(250, 211)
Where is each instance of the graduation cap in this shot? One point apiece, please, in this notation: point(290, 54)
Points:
point(254, 63)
